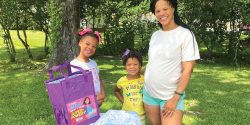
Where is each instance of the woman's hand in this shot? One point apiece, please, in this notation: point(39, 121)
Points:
point(170, 106)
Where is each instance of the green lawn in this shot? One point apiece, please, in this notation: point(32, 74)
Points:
point(217, 95)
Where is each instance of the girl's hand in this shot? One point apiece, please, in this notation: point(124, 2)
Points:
point(170, 107)
point(100, 98)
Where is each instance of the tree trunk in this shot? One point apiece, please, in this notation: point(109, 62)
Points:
point(66, 47)
point(46, 47)
point(9, 44)
point(93, 21)
point(231, 45)
point(25, 43)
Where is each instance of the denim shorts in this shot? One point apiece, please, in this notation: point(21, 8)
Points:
point(149, 100)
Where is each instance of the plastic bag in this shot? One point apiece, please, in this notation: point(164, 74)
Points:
point(118, 117)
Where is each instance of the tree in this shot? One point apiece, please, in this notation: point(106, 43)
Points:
point(121, 23)
point(6, 21)
point(39, 11)
point(90, 10)
point(216, 24)
point(64, 24)
point(22, 20)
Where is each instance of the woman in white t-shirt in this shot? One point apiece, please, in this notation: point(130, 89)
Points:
point(172, 53)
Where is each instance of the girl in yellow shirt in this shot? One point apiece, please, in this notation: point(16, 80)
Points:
point(129, 88)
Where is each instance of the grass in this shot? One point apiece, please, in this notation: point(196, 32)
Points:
point(35, 40)
point(217, 94)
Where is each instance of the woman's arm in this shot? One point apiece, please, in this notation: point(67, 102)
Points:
point(187, 69)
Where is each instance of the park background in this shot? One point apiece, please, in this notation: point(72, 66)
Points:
point(35, 35)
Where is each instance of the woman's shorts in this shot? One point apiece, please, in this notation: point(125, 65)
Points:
point(149, 100)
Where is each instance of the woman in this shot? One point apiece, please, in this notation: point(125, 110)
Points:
point(172, 54)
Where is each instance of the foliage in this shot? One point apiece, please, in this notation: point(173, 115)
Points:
point(65, 22)
point(217, 24)
point(55, 22)
point(39, 11)
point(36, 39)
point(121, 24)
point(6, 22)
point(89, 11)
point(19, 15)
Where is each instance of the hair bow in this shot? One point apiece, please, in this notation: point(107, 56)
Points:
point(99, 36)
point(125, 53)
point(84, 31)
point(89, 30)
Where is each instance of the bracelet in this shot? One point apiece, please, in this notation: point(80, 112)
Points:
point(178, 93)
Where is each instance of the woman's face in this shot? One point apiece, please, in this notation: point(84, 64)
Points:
point(164, 13)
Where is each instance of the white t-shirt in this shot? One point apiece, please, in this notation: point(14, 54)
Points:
point(167, 49)
point(91, 66)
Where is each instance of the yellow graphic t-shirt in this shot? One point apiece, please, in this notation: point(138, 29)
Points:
point(132, 93)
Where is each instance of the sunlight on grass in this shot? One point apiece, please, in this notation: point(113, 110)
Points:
point(106, 66)
point(35, 38)
point(191, 103)
point(220, 93)
point(111, 103)
point(40, 122)
point(35, 41)
point(190, 119)
point(121, 72)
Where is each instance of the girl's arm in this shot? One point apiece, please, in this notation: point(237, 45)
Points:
point(118, 94)
point(100, 97)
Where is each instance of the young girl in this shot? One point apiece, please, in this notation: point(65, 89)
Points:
point(88, 43)
point(129, 88)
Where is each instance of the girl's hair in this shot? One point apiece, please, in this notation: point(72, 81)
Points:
point(82, 33)
point(88, 34)
point(84, 101)
point(174, 4)
point(131, 54)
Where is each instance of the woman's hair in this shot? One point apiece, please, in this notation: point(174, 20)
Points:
point(131, 54)
point(177, 20)
point(174, 4)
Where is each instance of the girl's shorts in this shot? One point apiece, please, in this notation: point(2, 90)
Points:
point(149, 100)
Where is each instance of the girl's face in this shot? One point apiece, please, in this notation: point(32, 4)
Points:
point(133, 67)
point(87, 101)
point(164, 13)
point(88, 46)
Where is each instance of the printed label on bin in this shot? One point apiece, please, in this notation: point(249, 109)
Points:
point(82, 109)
